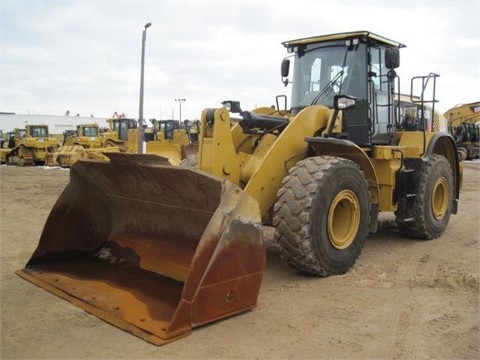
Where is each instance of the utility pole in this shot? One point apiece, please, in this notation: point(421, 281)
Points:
point(180, 101)
point(140, 115)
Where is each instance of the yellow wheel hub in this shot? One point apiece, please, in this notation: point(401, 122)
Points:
point(343, 219)
point(440, 197)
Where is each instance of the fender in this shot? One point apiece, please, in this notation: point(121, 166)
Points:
point(444, 144)
point(349, 150)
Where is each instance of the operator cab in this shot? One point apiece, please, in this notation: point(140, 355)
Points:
point(358, 64)
point(168, 127)
point(122, 125)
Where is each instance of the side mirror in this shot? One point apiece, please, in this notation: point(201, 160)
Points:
point(392, 58)
point(344, 102)
point(285, 70)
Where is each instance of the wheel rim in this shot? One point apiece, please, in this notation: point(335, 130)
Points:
point(440, 198)
point(343, 219)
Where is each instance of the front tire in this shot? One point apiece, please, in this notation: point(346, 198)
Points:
point(322, 214)
point(434, 200)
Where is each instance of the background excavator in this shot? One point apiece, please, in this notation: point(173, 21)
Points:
point(157, 249)
point(464, 125)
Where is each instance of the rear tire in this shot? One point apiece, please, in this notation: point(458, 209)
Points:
point(434, 200)
point(322, 214)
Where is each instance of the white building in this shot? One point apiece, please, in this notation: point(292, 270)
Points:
point(56, 124)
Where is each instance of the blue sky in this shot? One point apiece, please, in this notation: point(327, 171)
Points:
point(84, 56)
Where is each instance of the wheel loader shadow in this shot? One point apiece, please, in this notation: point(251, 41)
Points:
point(388, 231)
point(275, 261)
point(280, 272)
point(278, 269)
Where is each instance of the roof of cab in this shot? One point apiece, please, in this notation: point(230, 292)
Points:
point(343, 36)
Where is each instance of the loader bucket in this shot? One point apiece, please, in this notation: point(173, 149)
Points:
point(151, 248)
point(169, 150)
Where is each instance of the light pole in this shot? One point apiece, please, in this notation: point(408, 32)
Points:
point(180, 101)
point(140, 115)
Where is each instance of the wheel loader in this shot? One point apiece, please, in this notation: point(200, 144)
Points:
point(158, 250)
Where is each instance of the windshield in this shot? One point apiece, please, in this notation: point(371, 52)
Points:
point(167, 128)
point(21, 133)
point(323, 71)
point(90, 131)
point(38, 132)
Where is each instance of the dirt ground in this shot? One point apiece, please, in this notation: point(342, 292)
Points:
point(404, 298)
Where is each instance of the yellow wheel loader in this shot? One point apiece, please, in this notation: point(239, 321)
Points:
point(158, 250)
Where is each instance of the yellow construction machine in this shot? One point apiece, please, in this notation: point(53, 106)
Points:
point(464, 125)
point(8, 143)
point(3, 139)
point(84, 143)
point(31, 146)
point(170, 140)
point(123, 133)
point(86, 135)
point(165, 139)
point(87, 142)
point(158, 250)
